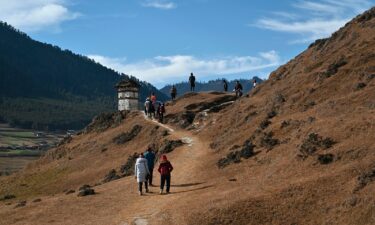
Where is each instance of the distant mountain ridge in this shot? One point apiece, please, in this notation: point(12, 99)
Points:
point(45, 87)
point(212, 85)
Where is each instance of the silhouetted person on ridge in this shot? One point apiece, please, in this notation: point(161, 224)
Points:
point(173, 92)
point(150, 157)
point(192, 82)
point(238, 89)
point(225, 83)
point(254, 82)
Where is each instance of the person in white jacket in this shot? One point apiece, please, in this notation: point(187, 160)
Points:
point(141, 172)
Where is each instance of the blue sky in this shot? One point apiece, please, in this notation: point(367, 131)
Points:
point(162, 41)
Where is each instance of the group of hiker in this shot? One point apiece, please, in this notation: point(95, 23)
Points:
point(173, 90)
point(237, 88)
point(144, 168)
point(154, 108)
point(144, 165)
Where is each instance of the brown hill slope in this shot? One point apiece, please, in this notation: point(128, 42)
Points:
point(312, 124)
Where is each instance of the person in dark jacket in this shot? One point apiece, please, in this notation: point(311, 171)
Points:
point(238, 89)
point(192, 82)
point(225, 83)
point(150, 156)
point(161, 111)
point(173, 92)
point(165, 169)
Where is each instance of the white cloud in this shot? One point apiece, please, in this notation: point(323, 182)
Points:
point(316, 19)
point(166, 69)
point(35, 15)
point(159, 4)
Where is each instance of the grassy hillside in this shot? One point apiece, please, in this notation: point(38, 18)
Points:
point(298, 149)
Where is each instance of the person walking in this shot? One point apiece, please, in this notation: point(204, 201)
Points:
point(192, 82)
point(238, 89)
point(141, 172)
point(173, 92)
point(153, 98)
point(161, 111)
point(254, 82)
point(165, 169)
point(150, 157)
point(225, 83)
point(148, 106)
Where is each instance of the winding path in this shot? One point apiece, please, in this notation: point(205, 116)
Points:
point(152, 208)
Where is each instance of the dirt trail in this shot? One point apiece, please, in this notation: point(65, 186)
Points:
point(152, 208)
point(118, 202)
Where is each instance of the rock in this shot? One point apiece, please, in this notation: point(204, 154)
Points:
point(112, 175)
point(85, 190)
point(233, 179)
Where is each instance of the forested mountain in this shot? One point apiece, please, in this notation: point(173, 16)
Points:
point(213, 85)
point(43, 86)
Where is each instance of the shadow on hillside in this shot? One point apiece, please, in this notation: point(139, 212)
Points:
point(195, 189)
point(187, 185)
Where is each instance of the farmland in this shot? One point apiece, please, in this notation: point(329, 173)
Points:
point(18, 147)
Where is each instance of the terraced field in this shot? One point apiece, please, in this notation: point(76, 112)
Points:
point(18, 147)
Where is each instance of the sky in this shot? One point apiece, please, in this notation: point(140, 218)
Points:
point(163, 41)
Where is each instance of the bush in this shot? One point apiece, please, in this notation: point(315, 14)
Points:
point(126, 137)
point(264, 124)
point(314, 142)
point(246, 152)
point(325, 159)
point(268, 141)
point(127, 169)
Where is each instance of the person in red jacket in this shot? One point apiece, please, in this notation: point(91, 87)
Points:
point(165, 169)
